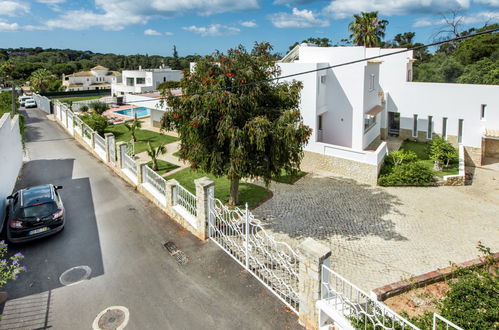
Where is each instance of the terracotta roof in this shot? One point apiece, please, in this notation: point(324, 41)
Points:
point(81, 74)
point(113, 73)
point(375, 110)
point(75, 85)
point(99, 67)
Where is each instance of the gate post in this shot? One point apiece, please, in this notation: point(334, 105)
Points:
point(121, 147)
point(204, 192)
point(109, 139)
point(171, 186)
point(311, 255)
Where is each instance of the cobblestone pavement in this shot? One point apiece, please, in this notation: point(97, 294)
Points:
point(381, 235)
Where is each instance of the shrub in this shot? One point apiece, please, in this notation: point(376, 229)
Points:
point(98, 106)
point(442, 152)
point(96, 122)
point(10, 267)
point(84, 108)
point(168, 85)
point(408, 174)
point(399, 157)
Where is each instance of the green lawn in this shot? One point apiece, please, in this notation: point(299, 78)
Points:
point(288, 178)
point(248, 193)
point(421, 151)
point(176, 154)
point(143, 136)
point(163, 167)
point(81, 98)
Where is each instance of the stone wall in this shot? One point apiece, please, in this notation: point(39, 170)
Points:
point(472, 156)
point(491, 148)
point(363, 173)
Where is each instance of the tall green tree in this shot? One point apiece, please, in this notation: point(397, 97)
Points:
point(367, 29)
point(320, 42)
point(175, 61)
point(132, 127)
point(154, 153)
point(248, 130)
point(40, 80)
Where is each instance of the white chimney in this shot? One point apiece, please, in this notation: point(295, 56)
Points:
point(140, 67)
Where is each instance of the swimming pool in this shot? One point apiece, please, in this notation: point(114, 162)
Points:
point(139, 112)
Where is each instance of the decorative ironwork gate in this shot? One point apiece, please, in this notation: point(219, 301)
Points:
point(242, 236)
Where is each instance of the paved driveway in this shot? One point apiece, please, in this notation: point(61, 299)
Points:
point(119, 235)
point(382, 235)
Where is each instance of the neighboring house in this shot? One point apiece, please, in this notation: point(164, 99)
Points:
point(98, 77)
point(144, 80)
point(152, 101)
point(353, 108)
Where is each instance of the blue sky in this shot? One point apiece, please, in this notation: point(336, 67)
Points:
point(200, 27)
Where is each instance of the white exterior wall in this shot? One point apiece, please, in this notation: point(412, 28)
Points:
point(152, 79)
point(97, 77)
point(11, 157)
point(371, 99)
point(454, 101)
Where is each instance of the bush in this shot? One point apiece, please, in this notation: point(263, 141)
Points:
point(84, 108)
point(399, 157)
point(442, 152)
point(168, 85)
point(407, 174)
point(96, 122)
point(98, 107)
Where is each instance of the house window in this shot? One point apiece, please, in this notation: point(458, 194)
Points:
point(164, 79)
point(319, 123)
point(482, 111)
point(371, 83)
point(415, 126)
point(323, 79)
point(369, 121)
point(141, 81)
point(460, 131)
point(444, 128)
point(409, 75)
point(129, 82)
point(430, 128)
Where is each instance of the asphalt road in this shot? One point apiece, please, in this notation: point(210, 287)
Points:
point(119, 235)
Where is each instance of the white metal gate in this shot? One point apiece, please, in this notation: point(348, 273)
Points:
point(242, 236)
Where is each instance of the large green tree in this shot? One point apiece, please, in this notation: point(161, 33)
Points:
point(41, 80)
point(230, 125)
point(367, 29)
point(320, 42)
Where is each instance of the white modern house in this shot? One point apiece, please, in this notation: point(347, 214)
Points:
point(98, 77)
point(353, 108)
point(144, 80)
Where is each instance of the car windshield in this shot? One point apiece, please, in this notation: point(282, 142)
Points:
point(38, 210)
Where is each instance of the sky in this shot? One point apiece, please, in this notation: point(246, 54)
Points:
point(203, 26)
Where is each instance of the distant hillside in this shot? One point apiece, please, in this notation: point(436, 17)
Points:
point(67, 61)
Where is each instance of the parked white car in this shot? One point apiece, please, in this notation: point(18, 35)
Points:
point(22, 99)
point(30, 103)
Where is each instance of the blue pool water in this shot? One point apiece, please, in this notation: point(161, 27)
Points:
point(140, 112)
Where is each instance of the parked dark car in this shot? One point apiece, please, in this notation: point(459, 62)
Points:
point(34, 213)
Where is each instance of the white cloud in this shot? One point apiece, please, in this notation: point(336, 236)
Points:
point(249, 24)
point(212, 30)
point(296, 2)
point(475, 18)
point(13, 8)
point(347, 8)
point(297, 19)
point(83, 19)
point(51, 2)
point(8, 27)
point(151, 32)
point(493, 3)
point(168, 33)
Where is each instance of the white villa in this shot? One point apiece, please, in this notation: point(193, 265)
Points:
point(98, 77)
point(353, 109)
point(144, 80)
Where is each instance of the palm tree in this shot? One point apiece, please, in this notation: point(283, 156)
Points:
point(40, 80)
point(132, 128)
point(367, 29)
point(154, 153)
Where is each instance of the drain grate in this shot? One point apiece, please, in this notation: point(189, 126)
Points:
point(75, 275)
point(174, 251)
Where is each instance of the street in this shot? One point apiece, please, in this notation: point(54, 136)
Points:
point(119, 235)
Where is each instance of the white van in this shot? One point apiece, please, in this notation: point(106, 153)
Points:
point(23, 98)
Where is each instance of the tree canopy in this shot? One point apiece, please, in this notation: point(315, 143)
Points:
point(367, 29)
point(320, 42)
point(239, 132)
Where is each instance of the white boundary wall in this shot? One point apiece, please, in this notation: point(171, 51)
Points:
point(11, 157)
point(42, 102)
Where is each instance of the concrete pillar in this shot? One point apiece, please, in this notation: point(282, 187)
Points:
point(120, 150)
point(140, 172)
point(66, 111)
point(205, 189)
point(109, 138)
point(92, 140)
point(171, 187)
point(311, 254)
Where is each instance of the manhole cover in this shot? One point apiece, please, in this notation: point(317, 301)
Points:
point(112, 318)
point(75, 275)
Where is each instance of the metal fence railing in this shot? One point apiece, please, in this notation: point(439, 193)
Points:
point(186, 199)
point(154, 179)
point(438, 320)
point(130, 165)
point(357, 306)
point(86, 133)
point(100, 142)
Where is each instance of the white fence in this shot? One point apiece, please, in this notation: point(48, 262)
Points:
point(129, 166)
point(42, 102)
point(348, 307)
point(273, 263)
point(154, 183)
point(437, 320)
point(100, 145)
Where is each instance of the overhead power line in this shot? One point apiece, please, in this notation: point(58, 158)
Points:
point(333, 66)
